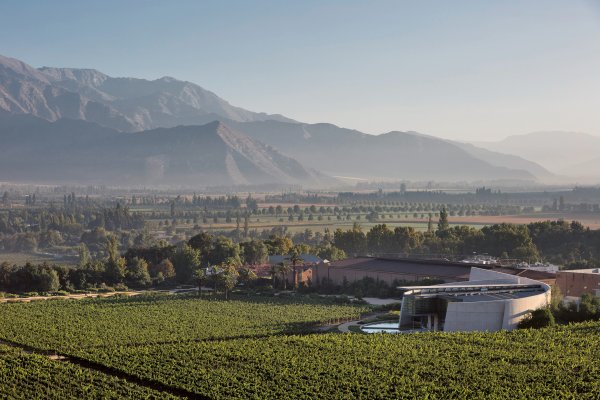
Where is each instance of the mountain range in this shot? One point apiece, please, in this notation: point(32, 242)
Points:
point(80, 125)
point(573, 154)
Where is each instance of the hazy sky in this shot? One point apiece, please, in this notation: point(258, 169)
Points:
point(477, 70)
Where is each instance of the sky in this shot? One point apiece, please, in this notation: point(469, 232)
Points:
point(467, 70)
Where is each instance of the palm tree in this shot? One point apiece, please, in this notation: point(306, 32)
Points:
point(295, 259)
point(283, 268)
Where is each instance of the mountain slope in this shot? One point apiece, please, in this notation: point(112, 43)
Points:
point(164, 102)
point(395, 155)
point(506, 160)
point(126, 104)
point(136, 105)
point(73, 151)
point(25, 90)
point(557, 151)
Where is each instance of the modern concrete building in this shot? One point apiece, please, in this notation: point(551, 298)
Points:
point(574, 283)
point(488, 301)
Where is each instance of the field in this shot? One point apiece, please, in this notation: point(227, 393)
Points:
point(393, 219)
point(32, 376)
point(262, 347)
point(34, 258)
point(78, 325)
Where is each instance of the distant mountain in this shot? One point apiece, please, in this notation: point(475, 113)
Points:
point(126, 104)
point(507, 161)
point(69, 151)
point(557, 151)
point(587, 172)
point(394, 155)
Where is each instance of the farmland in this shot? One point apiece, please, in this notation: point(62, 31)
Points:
point(77, 325)
point(32, 376)
point(266, 347)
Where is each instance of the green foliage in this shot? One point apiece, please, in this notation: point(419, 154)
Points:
point(30, 376)
point(540, 318)
point(553, 363)
point(78, 326)
point(443, 223)
point(588, 308)
point(186, 260)
point(137, 274)
point(254, 252)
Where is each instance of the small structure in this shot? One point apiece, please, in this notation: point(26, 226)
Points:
point(489, 301)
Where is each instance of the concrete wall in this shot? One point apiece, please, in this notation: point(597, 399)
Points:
point(497, 314)
point(476, 316)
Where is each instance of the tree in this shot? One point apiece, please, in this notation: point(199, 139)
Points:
point(380, 239)
point(278, 244)
point(352, 241)
point(115, 271)
point(443, 224)
point(224, 249)
point(254, 252)
point(186, 260)
point(331, 253)
point(137, 273)
point(165, 268)
point(200, 277)
point(225, 278)
point(202, 242)
point(246, 276)
point(295, 259)
point(84, 255)
point(282, 269)
point(112, 248)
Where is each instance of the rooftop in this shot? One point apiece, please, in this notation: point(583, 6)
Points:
point(583, 271)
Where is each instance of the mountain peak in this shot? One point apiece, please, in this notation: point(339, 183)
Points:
point(127, 104)
point(13, 68)
point(84, 76)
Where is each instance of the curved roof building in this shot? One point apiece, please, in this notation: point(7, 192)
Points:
point(488, 301)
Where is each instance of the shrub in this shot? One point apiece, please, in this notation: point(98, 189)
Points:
point(540, 318)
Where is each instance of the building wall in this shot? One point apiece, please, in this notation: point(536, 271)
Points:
point(493, 315)
point(515, 310)
point(574, 284)
point(337, 275)
point(476, 316)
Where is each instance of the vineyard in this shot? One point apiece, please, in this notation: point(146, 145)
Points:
point(76, 325)
point(30, 376)
point(260, 348)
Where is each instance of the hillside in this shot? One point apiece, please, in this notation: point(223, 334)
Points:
point(126, 104)
point(556, 150)
point(394, 155)
point(136, 105)
point(68, 151)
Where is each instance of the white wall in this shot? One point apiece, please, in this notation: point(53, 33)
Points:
point(497, 314)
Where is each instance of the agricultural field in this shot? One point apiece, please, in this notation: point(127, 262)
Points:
point(266, 347)
point(33, 376)
point(555, 364)
point(78, 325)
point(15, 258)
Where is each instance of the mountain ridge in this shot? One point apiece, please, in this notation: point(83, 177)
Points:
point(69, 151)
point(141, 105)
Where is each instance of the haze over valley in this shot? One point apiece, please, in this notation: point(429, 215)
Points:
point(171, 132)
